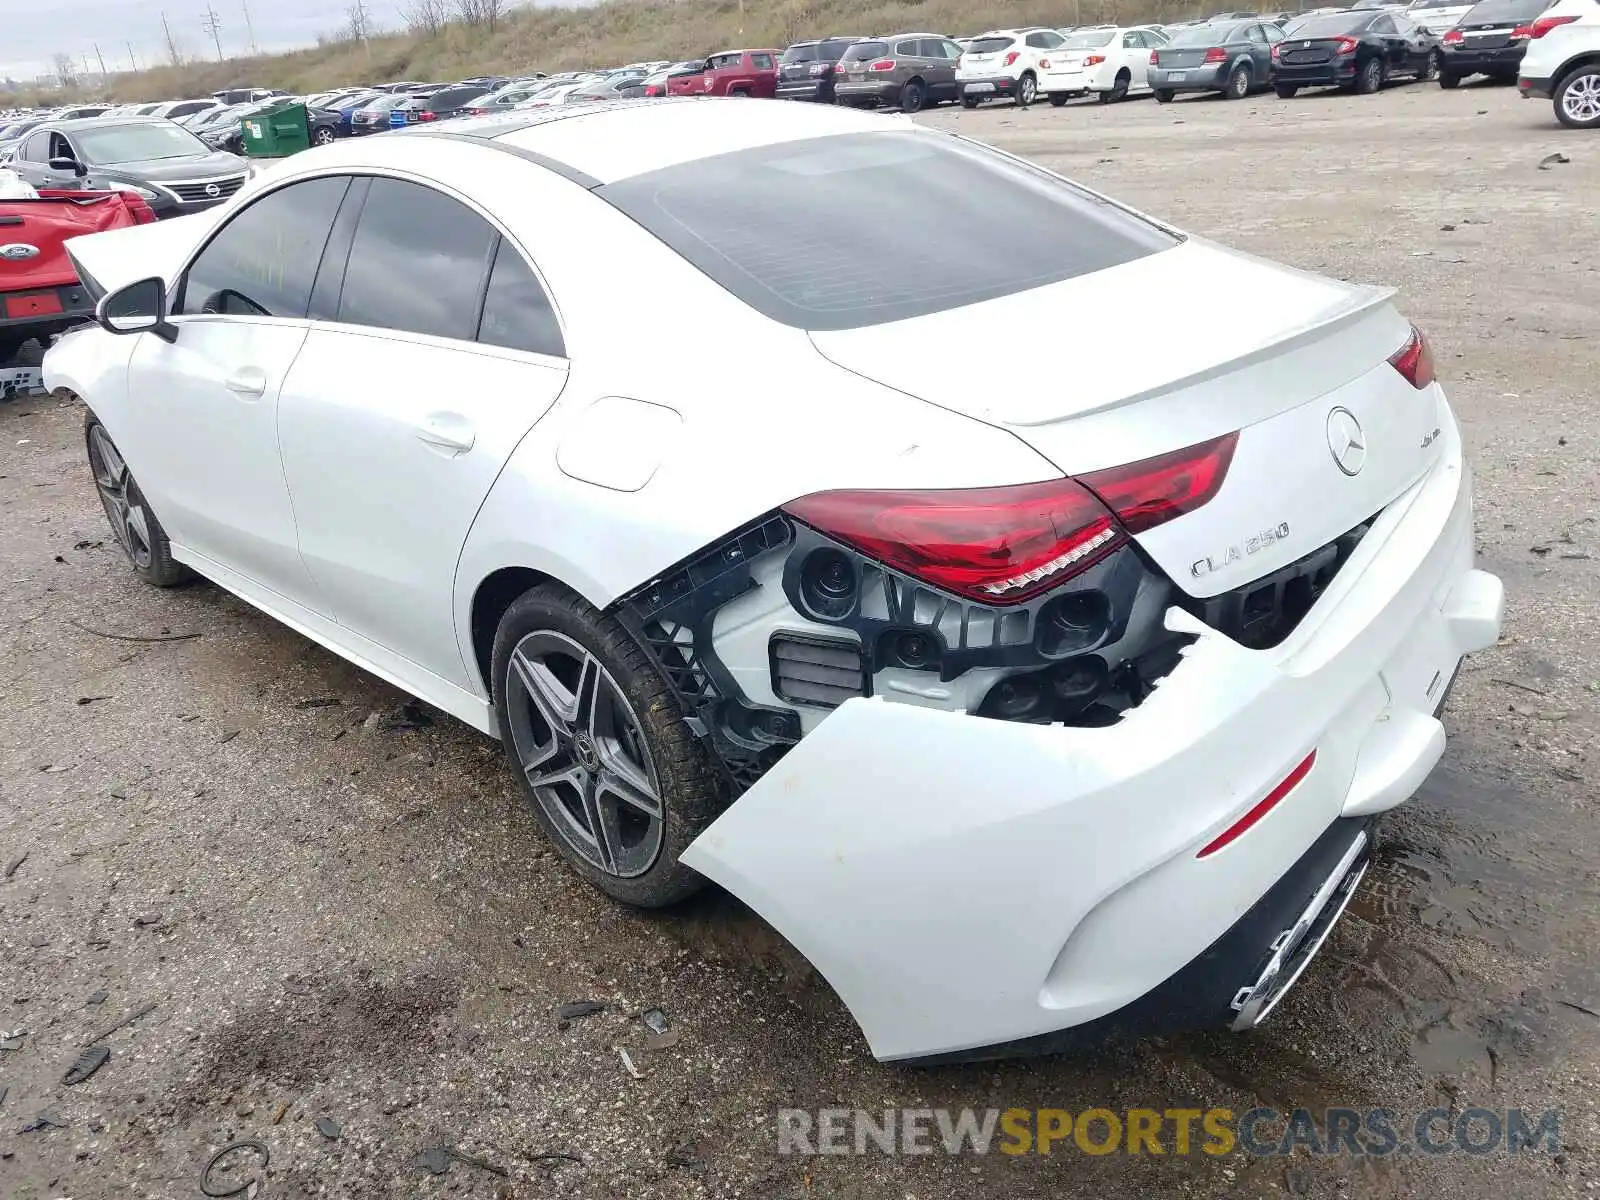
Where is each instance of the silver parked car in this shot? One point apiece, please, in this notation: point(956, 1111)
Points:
point(1231, 57)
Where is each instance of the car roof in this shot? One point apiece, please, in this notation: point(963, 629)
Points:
point(602, 144)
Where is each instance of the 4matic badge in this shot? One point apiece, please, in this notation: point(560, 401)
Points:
point(1239, 551)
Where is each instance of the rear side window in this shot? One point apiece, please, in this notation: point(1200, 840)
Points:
point(263, 262)
point(417, 262)
point(814, 233)
point(761, 62)
point(516, 311)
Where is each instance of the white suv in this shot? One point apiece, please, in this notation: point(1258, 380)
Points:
point(1562, 62)
point(1009, 62)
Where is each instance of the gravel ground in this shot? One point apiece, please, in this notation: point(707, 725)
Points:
point(339, 908)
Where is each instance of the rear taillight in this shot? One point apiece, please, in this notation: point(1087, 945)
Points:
point(1277, 47)
point(1157, 490)
point(1011, 59)
point(1155, 58)
point(1344, 45)
point(1216, 54)
point(1453, 37)
point(1094, 60)
point(1414, 360)
point(1522, 33)
point(1545, 24)
point(1004, 545)
point(477, 112)
point(883, 64)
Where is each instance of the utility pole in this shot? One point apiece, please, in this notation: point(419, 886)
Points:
point(249, 29)
point(213, 25)
point(104, 74)
point(133, 61)
point(172, 46)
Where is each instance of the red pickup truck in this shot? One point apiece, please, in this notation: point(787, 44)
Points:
point(731, 73)
point(40, 294)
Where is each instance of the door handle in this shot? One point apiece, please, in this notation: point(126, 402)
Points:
point(447, 431)
point(247, 381)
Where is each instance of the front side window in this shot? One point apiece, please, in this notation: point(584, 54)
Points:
point(263, 262)
point(417, 262)
point(800, 231)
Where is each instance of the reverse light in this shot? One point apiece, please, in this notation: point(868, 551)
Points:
point(1006, 544)
point(1262, 807)
point(1544, 25)
point(1344, 45)
point(1216, 54)
point(1414, 360)
point(1011, 59)
point(1094, 60)
point(883, 64)
point(1453, 37)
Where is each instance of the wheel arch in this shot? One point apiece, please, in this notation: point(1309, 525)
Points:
point(1588, 58)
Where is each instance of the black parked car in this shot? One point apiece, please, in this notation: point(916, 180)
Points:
point(1359, 51)
point(1490, 39)
point(437, 106)
point(805, 72)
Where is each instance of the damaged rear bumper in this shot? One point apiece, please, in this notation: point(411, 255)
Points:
point(973, 887)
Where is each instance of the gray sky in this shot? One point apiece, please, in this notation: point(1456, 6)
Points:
point(36, 32)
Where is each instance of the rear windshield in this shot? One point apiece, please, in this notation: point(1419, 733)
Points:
point(989, 45)
point(1418, 4)
point(828, 51)
point(1510, 12)
point(1331, 25)
point(1095, 37)
point(1202, 35)
point(859, 229)
point(864, 50)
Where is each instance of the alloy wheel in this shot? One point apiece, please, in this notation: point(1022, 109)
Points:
point(584, 754)
point(1580, 100)
point(120, 497)
point(1025, 91)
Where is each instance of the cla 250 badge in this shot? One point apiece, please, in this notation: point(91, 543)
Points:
point(1202, 567)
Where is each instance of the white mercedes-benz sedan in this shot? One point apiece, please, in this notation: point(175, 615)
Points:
point(1026, 712)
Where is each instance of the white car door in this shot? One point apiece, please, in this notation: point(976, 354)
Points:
point(1136, 57)
point(203, 433)
point(400, 412)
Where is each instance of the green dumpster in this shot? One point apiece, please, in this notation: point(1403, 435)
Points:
point(276, 132)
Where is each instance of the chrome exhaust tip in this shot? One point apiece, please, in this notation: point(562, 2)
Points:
point(1294, 948)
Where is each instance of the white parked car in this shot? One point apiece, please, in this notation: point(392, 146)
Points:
point(1436, 16)
point(1562, 62)
point(1017, 64)
point(1024, 714)
point(1111, 62)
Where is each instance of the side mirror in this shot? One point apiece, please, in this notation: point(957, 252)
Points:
point(137, 308)
point(69, 164)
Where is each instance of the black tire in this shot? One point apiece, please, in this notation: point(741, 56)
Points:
point(1239, 81)
point(1286, 91)
point(1370, 77)
point(1164, 95)
point(969, 102)
point(1027, 89)
point(10, 346)
point(1119, 89)
point(912, 96)
point(133, 522)
point(739, 91)
point(1574, 96)
point(1430, 69)
point(1057, 99)
point(674, 760)
point(1449, 79)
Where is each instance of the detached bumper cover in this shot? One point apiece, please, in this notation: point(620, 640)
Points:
point(966, 883)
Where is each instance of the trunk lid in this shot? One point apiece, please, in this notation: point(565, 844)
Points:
point(1307, 54)
point(1182, 56)
point(34, 233)
point(1274, 363)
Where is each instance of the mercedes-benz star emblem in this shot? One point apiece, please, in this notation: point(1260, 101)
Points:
point(1346, 441)
point(18, 251)
point(213, 190)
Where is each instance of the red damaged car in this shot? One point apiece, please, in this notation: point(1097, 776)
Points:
point(40, 294)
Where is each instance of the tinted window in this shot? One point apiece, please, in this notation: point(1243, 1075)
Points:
point(991, 45)
point(1255, 34)
point(416, 263)
point(1134, 41)
point(801, 231)
point(909, 48)
point(264, 261)
point(1508, 12)
point(952, 50)
point(516, 311)
point(862, 51)
point(805, 52)
point(1382, 25)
